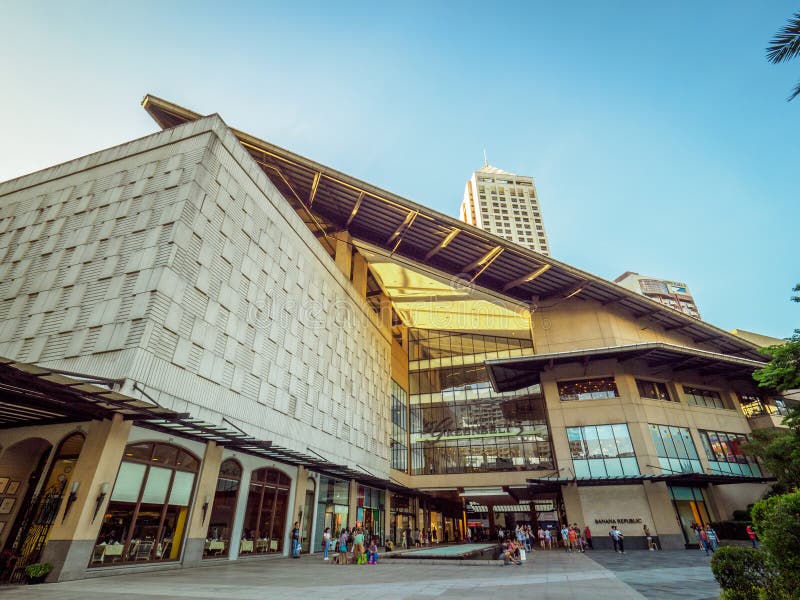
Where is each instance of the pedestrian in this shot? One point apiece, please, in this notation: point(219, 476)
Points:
point(712, 537)
point(647, 536)
point(587, 533)
point(548, 538)
point(296, 540)
point(434, 536)
point(565, 537)
point(703, 537)
point(616, 539)
point(326, 542)
point(343, 547)
point(373, 551)
point(540, 533)
point(572, 538)
point(358, 547)
point(752, 535)
point(417, 538)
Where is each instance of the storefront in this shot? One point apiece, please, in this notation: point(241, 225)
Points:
point(223, 510)
point(370, 507)
point(332, 505)
point(403, 521)
point(690, 509)
point(264, 527)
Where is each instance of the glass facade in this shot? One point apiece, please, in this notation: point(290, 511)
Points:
point(690, 509)
point(265, 516)
point(223, 509)
point(703, 397)
point(602, 451)
point(653, 390)
point(146, 515)
point(587, 389)
point(370, 510)
point(725, 455)
point(458, 424)
point(333, 505)
point(399, 442)
point(675, 449)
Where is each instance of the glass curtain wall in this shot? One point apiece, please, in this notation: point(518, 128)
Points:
point(675, 449)
point(149, 505)
point(333, 505)
point(399, 441)
point(223, 509)
point(265, 516)
point(458, 424)
point(725, 455)
point(600, 451)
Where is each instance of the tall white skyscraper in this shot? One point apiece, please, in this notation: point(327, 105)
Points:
point(507, 205)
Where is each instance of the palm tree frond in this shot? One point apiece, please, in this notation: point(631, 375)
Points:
point(786, 43)
point(795, 93)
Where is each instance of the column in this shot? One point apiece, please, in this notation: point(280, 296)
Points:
point(665, 523)
point(300, 485)
point(387, 516)
point(352, 504)
point(360, 274)
point(203, 497)
point(72, 537)
point(238, 518)
point(344, 253)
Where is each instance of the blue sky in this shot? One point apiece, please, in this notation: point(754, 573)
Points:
point(659, 136)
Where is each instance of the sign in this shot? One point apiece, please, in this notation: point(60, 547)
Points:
point(628, 520)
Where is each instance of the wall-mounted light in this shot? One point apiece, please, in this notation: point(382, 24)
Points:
point(100, 497)
point(205, 507)
point(73, 495)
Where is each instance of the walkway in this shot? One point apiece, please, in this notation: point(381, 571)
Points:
point(554, 574)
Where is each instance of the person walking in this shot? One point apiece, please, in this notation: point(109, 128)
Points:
point(617, 539)
point(540, 533)
point(587, 533)
point(326, 542)
point(565, 537)
point(712, 537)
point(572, 538)
point(548, 538)
point(343, 547)
point(418, 539)
point(296, 540)
point(703, 537)
point(752, 535)
point(358, 547)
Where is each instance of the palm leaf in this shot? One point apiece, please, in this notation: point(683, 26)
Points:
point(786, 43)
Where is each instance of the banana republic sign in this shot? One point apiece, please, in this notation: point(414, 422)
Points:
point(628, 520)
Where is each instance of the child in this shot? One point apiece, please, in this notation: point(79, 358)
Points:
point(372, 551)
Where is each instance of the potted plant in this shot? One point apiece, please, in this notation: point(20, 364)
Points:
point(37, 572)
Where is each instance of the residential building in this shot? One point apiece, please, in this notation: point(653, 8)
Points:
point(506, 205)
point(674, 294)
point(208, 337)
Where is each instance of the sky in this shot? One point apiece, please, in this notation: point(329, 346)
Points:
point(659, 136)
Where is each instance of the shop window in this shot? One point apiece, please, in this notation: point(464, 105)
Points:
point(587, 389)
point(333, 505)
point(702, 397)
point(675, 449)
point(147, 513)
point(223, 509)
point(653, 390)
point(266, 513)
point(600, 451)
point(370, 510)
point(752, 405)
point(726, 455)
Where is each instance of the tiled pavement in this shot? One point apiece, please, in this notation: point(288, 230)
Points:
point(551, 574)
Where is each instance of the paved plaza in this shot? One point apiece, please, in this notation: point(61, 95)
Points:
point(553, 574)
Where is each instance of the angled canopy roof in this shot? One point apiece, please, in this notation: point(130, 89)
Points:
point(330, 201)
point(508, 374)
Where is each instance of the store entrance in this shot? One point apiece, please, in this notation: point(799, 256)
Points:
point(691, 511)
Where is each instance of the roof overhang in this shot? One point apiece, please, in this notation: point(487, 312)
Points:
point(509, 374)
point(692, 479)
point(330, 201)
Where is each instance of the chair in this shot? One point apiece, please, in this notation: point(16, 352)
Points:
point(273, 546)
point(143, 551)
point(99, 553)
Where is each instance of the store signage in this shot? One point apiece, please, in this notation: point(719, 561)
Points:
point(628, 520)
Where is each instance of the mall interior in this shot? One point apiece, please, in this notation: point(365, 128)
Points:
point(207, 338)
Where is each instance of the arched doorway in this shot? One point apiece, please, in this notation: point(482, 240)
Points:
point(147, 514)
point(223, 510)
point(265, 516)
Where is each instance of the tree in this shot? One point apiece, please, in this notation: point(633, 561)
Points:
point(785, 46)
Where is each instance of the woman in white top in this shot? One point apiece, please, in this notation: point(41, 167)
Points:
point(326, 541)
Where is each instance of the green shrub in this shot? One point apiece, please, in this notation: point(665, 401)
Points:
point(740, 571)
point(777, 524)
point(38, 569)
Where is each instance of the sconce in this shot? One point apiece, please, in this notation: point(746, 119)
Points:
point(73, 495)
point(100, 497)
point(205, 508)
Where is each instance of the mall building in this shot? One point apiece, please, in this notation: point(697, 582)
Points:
point(207, 338)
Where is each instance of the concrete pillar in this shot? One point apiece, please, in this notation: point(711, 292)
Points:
point(387, 515)
point(204, 492)
point(386, 311)
point(344, 253)
point(360, 274)
point(665, 523)
point(352, 504)
point(300, 485)
point(572, 503)
point(72, 538)
point(238, 518)
point(492, 526)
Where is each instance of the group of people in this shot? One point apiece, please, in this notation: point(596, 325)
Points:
point(706, 537)
point(351, 546)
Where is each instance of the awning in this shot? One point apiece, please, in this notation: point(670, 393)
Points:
point(508, 374)
point(31, 395)
point(691, 479)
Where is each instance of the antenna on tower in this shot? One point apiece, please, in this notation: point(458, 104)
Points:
point(485, 160)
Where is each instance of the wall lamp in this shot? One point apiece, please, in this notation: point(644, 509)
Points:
point(73, 495)
point(205, 508)
point(100, 497)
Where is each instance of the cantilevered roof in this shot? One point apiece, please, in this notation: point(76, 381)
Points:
point(331, 201)
point(508, 374)
point(673, 479)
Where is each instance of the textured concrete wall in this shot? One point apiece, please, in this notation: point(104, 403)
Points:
point(173, 261)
